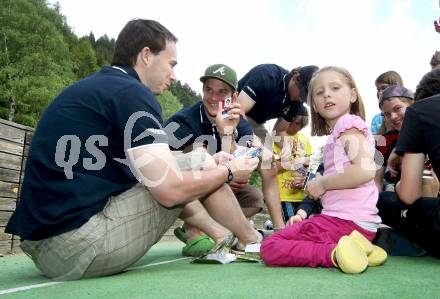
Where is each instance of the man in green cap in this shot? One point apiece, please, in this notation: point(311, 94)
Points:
point(215, 123)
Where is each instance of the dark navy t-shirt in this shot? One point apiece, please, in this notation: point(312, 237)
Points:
point(420, 132)
point(85, 125)
point(194, 126)
point(267, 85)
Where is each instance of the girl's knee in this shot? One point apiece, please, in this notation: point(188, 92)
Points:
point(268, 250)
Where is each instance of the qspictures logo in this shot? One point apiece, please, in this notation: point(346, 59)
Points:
point(68, 148)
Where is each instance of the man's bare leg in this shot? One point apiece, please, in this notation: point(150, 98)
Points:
point(215, 230)
point(220, 208)
point(197, 220)
point(268, 174)
point(225, 209)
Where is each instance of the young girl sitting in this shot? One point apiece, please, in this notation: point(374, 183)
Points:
point(341, 235)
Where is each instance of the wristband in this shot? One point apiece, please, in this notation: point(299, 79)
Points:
point(233, 135)
point(230, 174)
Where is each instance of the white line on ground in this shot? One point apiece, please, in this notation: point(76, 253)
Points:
point(32, 286)
point(155, 264)
point(47, 284)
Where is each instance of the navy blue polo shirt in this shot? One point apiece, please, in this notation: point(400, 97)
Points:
point(85, 125)
point(194, 126)
point(267, 85)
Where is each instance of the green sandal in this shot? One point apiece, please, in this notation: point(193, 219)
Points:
point(180, 234)
point(198, 247)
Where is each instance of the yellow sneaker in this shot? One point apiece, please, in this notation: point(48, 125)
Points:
point(350, 257)
point(362, 241)
point(376, 255)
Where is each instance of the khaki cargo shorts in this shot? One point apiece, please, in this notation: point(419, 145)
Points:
point(250, 197)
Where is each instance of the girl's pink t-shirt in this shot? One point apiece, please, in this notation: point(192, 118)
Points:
point(355, 204)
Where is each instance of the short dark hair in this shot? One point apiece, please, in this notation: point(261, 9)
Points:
point(390, 78)
point(429, 85)
point(304, 120)
point(435, 60)
point(294, 71)
point(136, 35)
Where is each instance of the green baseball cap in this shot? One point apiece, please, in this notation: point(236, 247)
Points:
point(221, 72)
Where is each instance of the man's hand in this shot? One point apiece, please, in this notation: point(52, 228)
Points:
point(242, 168)
point(237, 186)
point(394, 163)
point(315, 188)
point(267, 158)
point(228, 125)
point(222, 158)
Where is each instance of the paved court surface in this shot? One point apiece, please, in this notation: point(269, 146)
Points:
point(164, 273)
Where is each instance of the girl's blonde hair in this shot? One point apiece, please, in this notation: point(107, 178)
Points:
point(319, 125)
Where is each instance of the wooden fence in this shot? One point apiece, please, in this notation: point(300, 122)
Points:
point(14, 147)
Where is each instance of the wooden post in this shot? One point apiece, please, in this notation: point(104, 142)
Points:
point(14, 140)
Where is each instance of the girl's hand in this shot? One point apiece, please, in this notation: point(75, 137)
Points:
point(315, 188)
point(298, 181)
point(294, 219)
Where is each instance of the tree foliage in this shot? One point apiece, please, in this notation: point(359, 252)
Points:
point(35, 60)
point(255, 179)
point(40, 56)
point(104, 48)
point(84, 58)
point(169, 104)
point(184, 93)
